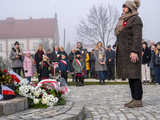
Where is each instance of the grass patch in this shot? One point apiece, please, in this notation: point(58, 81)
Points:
point(97, 83)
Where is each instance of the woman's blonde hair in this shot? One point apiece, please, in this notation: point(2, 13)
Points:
point(40, 46)
point(98, 44)
point(61, 48)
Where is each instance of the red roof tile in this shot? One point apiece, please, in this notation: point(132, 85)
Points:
point(28, 28)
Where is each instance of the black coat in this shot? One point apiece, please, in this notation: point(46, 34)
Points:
point(39, 56)
point(44, 69)
point(71, 58)
point(55, 57)
point(92, 61)
point(146, 58)
point(110, 55)
point(129, 40)
point(156, 60)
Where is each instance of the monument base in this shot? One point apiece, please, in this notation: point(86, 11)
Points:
point(13, 105)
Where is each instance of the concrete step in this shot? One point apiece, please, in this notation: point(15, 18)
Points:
point(13, 105)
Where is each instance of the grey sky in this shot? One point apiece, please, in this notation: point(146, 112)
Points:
point(70, 12)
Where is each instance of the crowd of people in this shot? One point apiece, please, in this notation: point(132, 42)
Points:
point(80, 63)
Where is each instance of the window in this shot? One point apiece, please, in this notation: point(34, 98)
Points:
point(1, 50)
point(35, 46)
point(21, 46)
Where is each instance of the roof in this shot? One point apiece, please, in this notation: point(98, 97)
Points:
point(27, 28)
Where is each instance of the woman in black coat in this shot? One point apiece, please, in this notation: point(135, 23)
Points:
point(38, 58)
point(129, 50)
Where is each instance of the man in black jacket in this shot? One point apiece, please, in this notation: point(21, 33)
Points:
point(110, 61)
point(146, 57)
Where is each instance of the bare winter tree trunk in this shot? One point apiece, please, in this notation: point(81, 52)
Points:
point(99, 25)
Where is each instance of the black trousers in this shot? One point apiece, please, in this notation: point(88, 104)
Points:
point(17, 70)
point(64, 75)
point(111, 71)
point(79, 80)
point(136, 88)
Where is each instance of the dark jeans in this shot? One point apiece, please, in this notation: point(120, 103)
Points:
point(157, 74)
point(17, 70)
point(38, 72)
point(79, 80)
point(152, 74)
point(101, 75)
point(111, 71)
point(29, 79)
point(136, 88)
point(64, 75)
point(93, 74)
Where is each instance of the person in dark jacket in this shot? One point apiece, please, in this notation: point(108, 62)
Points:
point(92, 63)
point(129, 50)
point(38, 58)
point(16, 56)
point(64, 67)
point(78, 65)
point(83, 55)
point(49, 55)
point(152, 68)
point(55, 54)
point(44, 68)
point(110, 62)
point(62, 52)
point(156, 63)
point(146, 57)
point(70, 58)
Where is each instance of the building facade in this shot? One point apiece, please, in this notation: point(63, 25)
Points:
point(29, 33)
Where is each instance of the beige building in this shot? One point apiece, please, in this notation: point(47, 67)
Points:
point(29, 33)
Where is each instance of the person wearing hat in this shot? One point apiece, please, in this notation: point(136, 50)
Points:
point(129, 50)
point(28, 66)
point(16, 58)
point(78, 66)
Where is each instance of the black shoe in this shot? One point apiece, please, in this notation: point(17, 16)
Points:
point(77, 84)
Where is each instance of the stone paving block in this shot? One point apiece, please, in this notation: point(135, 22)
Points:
point(101, 102)
point(9, 108)
point(12, 106)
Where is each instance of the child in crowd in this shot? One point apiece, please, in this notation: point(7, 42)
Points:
point(64, 66)
point(156, 63)
point(28, 66)
point(45, 68)
point(78, 69)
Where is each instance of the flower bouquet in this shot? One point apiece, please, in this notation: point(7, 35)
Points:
point(45, 94)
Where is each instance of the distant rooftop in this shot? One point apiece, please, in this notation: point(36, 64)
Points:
point(27, 28)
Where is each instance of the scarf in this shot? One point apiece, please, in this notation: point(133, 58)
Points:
point(122, 19)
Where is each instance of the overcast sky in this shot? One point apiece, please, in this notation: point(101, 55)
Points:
point(71, 12)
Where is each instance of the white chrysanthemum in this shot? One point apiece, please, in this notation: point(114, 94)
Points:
point(36, 93)
point(36, 101)
point(56, 99)
point(52, 98)
point(44, 101)
point(50, 104)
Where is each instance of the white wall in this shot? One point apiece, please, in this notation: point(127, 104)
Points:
point(3, 52)
point(33, 44)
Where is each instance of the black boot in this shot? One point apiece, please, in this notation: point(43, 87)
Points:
point(103, 82)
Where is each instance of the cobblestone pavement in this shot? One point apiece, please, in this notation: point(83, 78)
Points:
point(106, 102)
point(97, 102)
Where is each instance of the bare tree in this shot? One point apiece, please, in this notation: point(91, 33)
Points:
point(99, 25)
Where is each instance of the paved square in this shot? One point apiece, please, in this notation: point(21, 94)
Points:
point(99, 103)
